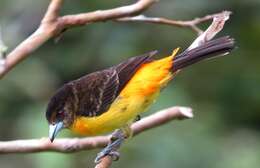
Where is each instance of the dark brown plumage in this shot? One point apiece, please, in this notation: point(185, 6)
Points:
point(92, 94)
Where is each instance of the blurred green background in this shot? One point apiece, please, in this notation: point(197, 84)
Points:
point(224, 93)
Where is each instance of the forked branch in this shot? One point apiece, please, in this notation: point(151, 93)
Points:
point(52, 25)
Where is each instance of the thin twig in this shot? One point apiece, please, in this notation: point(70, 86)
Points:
point(215, 27)
point(192, 24)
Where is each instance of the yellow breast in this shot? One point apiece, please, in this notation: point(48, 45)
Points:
point(140, 92)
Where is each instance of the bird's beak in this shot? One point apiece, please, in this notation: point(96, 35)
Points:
point(54, 129)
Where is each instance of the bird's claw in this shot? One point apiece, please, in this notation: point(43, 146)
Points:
point(100, 155)
point(110, 150)
point(113, 154)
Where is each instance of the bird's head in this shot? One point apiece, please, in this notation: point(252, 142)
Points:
point(60, 111)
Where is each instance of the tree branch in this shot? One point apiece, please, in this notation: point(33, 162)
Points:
point(104, 15)
point(192, 24)
point(47, 29)
point(52, 25)
point(67, 145)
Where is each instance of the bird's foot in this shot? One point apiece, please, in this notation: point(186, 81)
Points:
point(108, 151)
point(111, 149)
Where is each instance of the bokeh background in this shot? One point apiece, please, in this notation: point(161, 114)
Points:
point(224, 93)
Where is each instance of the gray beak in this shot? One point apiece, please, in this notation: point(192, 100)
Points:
point(54, 130)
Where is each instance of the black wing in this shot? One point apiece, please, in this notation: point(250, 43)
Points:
point(95, 92)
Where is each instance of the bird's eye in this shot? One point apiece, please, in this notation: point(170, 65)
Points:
point(61, 114)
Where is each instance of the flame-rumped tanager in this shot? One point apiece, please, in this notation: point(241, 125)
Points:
point(110, 99)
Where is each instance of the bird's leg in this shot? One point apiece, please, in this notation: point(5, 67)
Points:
point(117, 138)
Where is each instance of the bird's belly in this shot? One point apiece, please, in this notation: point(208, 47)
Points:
point(122, 112)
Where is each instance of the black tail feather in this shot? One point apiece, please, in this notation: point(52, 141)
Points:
point(210, 49)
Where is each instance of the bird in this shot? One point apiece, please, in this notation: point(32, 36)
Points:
point(111, 99)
